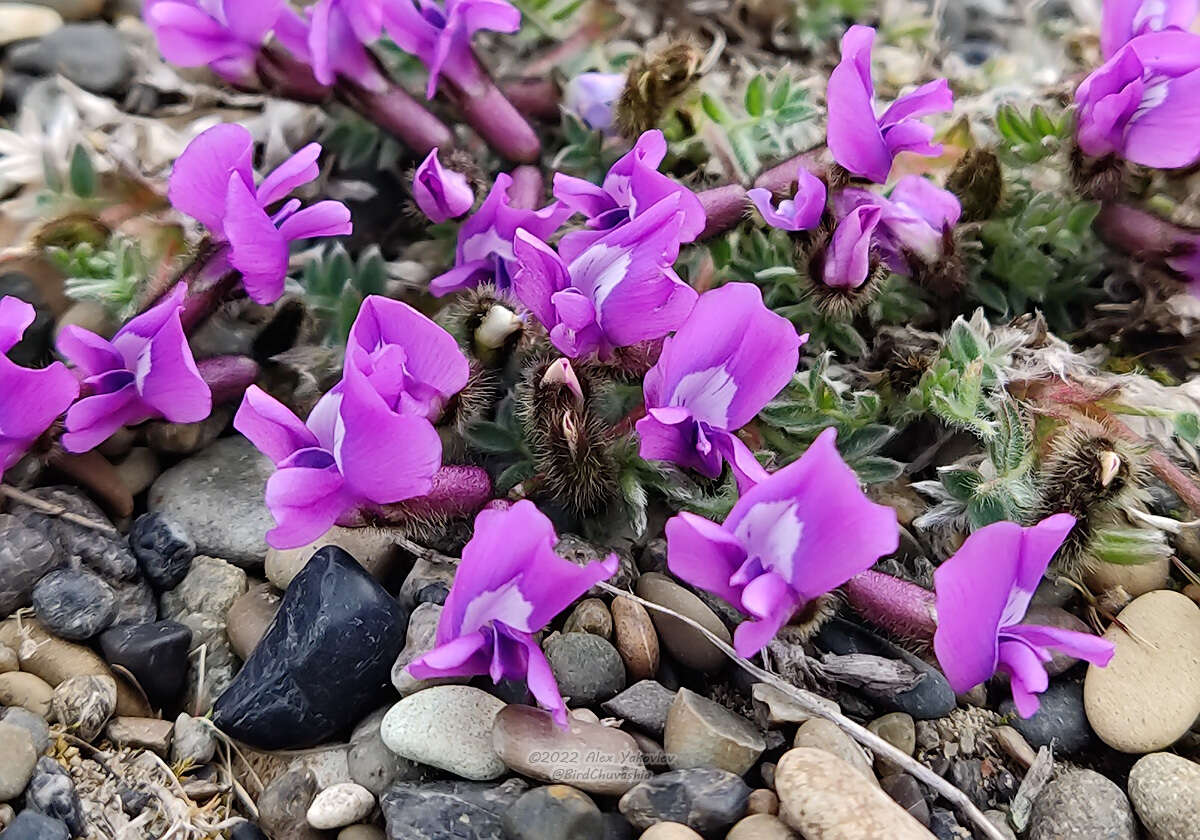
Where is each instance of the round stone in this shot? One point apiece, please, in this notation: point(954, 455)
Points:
point(18, 688)
point(588, 668)
point(683, 641)
point(821, 734)
point(762, 801)
point(669, 831)
point(374, 549)
point(361, 832)
point(899, 730)
point(74, 603)
point(1082, 805)
point(249, 617)
point(84, 704)
point(35, 725)
point(702, 798)
point(590, 616)
point(556, 812)
point(340, 805)
point(448, 727)
point(1149, 694)
point(635, 638)
point(1165, 791)
point(1135, 579)
point(761, 827)
point(16, 745)
point(163, 549)
point(701, 733)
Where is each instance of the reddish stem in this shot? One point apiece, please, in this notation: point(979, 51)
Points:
point(527, 188)
point(397, 113)
point(781, 178)
point(539, 98)
point(210, 281)
point(485, 108)
point(228, 377)
point(724, 207)
point(282, 74)
point(1141, 234)
point(902, 608)
point(458, 491)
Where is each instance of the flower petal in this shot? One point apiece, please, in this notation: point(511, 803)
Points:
point(258, 250)
point(271, 426)
point(704, 554)
point(306, 502)
point(200, 179)
point(294, 172)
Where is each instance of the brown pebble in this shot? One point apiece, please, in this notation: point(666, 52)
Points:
point(762, 801)
point(590, 616)
point(669, 831)
point(636, 639)
point(761, 827)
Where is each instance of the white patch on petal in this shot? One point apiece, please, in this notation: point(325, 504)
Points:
point(1153, 95)
point(771, 531)
point(487, 243)
point(506, 605)
point(1150, 16)
point(605, 267)
point(707, 394)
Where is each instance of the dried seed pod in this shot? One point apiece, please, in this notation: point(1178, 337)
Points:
point(978, 182)
point(653, 84)
point(836, 302)
point(1096, 179)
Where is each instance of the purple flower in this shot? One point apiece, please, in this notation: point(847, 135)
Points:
point(509, 585)
point(983, 592)
point(730, 357)
point(793, 537)
point(911, 222)
point(861, 142)
point(847, 260)
point(801, 212)
point(1144, 103)
point(439, 34)
point(331, 37)
point(213, 182)
point(619, 290)
point(485, 241)
point(1124, 20)
point(591, 96)
point(441, 193)
point(224, 34)
point(632, 187)
point(33, 399)
point(146, 371)
point(414, 365)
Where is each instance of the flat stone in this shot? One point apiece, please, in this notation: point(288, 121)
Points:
point(701, 733)
point(1060, 718)
point(163, 549)
point(905, 791)
point(92, 55)
point(822, 734)
point(374, 549)
point(74, 9)
point(683, 641)
point(8, 660)
point(824, 798)
point(774, 707)
point(448, 727)
point(156, 654)
point(635, 638)
point(1149, 694)
point(704, 799)
point(590, 616)
point(557, 812)
point(141, 733)
point(74, 604)
point(588, 668)
point(1082, 805)
point(899, 730)
point(194, 743)
point(594, 758)
point(16, 745)
point(30, 825)
point(761, 827)
point(361, 832)
point(138, 469)
point(32, 723)
point(1165, 791)
point(27, 691)
point(1014, 745)
point(340, 805)
point(189, 438)
point(370, 763)
point(323, 664)
point(416, 811)
point(217, 497)
point(420, 638)
point(328, 765)
point(249, 617)
point(26, 555)
point(21, 21)
point(645, 704)
point(1136, 580)
point(84, 704)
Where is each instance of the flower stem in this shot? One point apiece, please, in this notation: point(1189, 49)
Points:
point(458, 491)
point(210, 282)
point(286, 77)
point(494, 118)
point(780, 179)
point(539, 98)
point(228, 377)
point(899, 607)
point(397, 113)
point(724, 208)
point(1141, 234)
point(526, 190)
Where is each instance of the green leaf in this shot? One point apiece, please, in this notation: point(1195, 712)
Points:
point(1042, 122)
point(876, 469)
point(1187, 426)
point(1129, 546)
point(82, 174)
point(715, 110)
point(865, 441)
point(782, 93)
point(984, 510)
point(960, 483)
point(756, 96)
point(514, 475)
point(491, 438)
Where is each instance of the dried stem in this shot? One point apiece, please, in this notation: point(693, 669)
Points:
point(859, 733)
point(51, 509)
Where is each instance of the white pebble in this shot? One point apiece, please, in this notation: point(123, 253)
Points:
point(340, 805)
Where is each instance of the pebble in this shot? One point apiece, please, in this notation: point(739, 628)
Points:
point(702, 733)
point(773, 707)
point(246, 830)
point(137, 603)
point(762, 801)
point(669, 831)
point(416, 811)
point(144, 733)
point(249, 617)
point(683, 641)
point(821, 734)
point(32, 723)
point(8, 660)
point(594, 758)
point(74, 604)
point(581, 552)
point(74, 9)
point(107, 556)
point(1060, 718)
point(217, 497)
point(904, 789)
point(194, 743)
point(557, 812)
point(340, 806)
point(283, 806)
point(635, 638)
point(323, 664)
point(448, 727)
point(419, 640)
point(7, 814)
point(361, 832)
point(16, 745)
point(1082, 805)
point(201, 602)
point(27, 691)
point(370, 763)
point(645, 704)
point(163, 549)
point(1149, 695)
point(823, 798)
point(588, 668)
point(1014, 745)
point(590, 616)
point(899, 730)
point(33, 826)
point(189, 438)
point(761, 827)
point(52, 793)
point(84, 704)
point(20, 21)
point(26, 555)
point(155, 653)
point(374, 549)
point(428, 581)
point(1134, 579)
point(138, 469)
point(1165, 791)
point(328, 765)
point(704, 799)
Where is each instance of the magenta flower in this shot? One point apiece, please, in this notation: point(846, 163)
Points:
point(441, 193)
point(983, 592)
point(632, 187)
point(619, 290)
point(591, 97)
point(414, 365)
point(730, 357)
point(485, 241)
point(801, 212)
point(224, 34)
point(146, 371)
point(911, 222)
point(847, 261)
point(509, 586)
point(793, 537)
point(331, 36)
point(213, 182)
point(33, 399)
point(439, 33)
point(1124, 20)
point(861, 142)
point(1142, 103)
